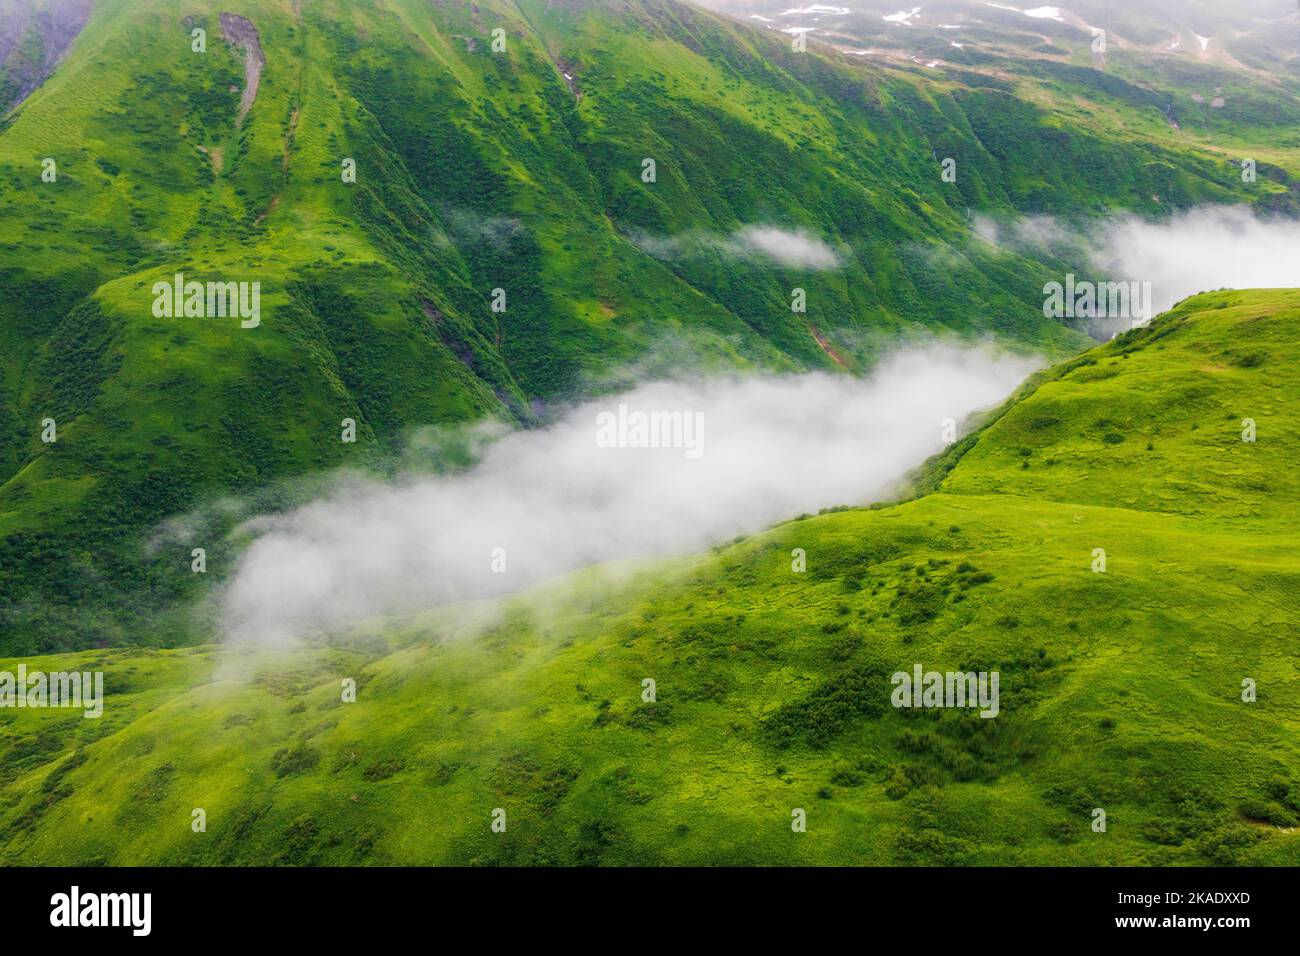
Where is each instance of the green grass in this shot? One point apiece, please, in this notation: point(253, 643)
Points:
point(1119, 690)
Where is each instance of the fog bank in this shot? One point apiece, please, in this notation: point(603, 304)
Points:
point(1208, 248)
point(751, 452)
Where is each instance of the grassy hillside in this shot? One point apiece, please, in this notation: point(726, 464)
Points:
point(1120, 691)
point(476, 170)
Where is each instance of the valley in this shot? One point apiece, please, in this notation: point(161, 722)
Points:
point(330, 344)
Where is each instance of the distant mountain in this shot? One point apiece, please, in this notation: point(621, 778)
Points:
point(1182, 72)
point(33, 36)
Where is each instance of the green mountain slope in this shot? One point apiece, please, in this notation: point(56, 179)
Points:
point(475, 171)
point(1121, 690)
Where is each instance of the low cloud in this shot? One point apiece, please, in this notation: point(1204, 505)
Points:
point(1200, 250)
point(788, 248)
point(465, 227)
point(798, 249)
point(554, 499)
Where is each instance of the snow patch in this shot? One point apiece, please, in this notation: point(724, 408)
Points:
point(902, 16)
point(816, 8)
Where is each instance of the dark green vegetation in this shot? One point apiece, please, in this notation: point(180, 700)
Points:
point(1119, 690)
point(475, 171)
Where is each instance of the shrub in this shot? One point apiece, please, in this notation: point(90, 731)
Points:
point(289, 762)
point(382, 770)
